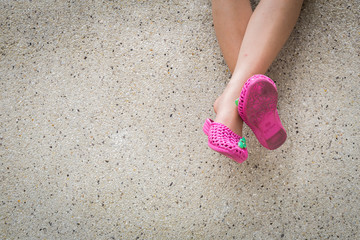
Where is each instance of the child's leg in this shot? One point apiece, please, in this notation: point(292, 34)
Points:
point(230, 20)
point(267, 31)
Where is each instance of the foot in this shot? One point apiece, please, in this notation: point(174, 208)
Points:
point(226, 110)
point(257, 107)
point(223, 140)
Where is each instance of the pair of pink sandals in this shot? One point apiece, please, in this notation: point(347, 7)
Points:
point(257, 108)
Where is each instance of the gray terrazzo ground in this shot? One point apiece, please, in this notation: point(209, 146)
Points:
point(102, 106)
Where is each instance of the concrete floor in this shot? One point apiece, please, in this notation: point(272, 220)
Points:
point(102, 106)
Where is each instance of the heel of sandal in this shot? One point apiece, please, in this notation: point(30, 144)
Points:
point(207, 126)
point(276, 140)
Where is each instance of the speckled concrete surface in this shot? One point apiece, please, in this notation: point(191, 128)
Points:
point(102, 106)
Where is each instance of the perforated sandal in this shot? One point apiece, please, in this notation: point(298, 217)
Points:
point(225, 141)
point(257, 108)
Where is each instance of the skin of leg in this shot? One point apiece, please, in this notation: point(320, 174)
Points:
point(230, 19)
point(267, 31)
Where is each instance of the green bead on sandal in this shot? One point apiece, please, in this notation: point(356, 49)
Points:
point(242, 143)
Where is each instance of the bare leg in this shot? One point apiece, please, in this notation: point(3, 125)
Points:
point(230, 21)
point(267, 31)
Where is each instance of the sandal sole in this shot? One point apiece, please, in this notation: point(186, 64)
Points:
point(260, 113)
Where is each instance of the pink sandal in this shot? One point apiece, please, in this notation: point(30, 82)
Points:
point(225, 141)
point(257, 107)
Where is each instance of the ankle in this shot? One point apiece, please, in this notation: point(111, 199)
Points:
point(232, 91)
point(217, 104)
